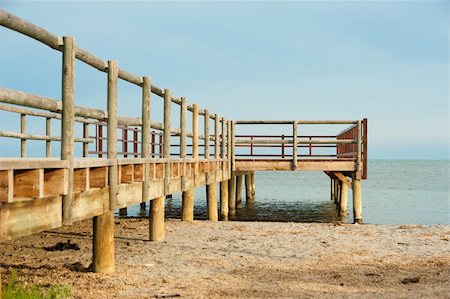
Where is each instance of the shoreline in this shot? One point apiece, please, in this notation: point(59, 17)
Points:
point(242, 259)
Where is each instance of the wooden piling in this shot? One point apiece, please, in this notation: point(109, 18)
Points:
point(145, 137)
point(67, 123)
point(248, 188)
point(157, 219)
point(357, 200)
point(187, 208)
point(211, 203)
point(343, 200)
point(232, 195)
point(239, 191)
point(253, 186)
point(103, 260)
point(166, 137)
point(224, 200)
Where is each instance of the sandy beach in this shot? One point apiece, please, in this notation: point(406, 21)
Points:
point(242, 260)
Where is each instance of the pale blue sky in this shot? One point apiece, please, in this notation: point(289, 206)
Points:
point(387, 61)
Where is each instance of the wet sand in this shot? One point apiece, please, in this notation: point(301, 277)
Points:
point(243, 260)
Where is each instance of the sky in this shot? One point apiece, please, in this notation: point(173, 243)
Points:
point(382, 60)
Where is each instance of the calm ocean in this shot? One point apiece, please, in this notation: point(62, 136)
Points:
point(397, 192)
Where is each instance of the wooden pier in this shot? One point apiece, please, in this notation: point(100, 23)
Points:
point(124, 161)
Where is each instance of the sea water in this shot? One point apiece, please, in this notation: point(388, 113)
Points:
point(396, 192)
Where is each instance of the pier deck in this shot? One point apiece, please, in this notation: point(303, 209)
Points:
point(115, 161)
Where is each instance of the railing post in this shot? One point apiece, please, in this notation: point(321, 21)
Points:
point(359, 151)
point(145, 136)
point(103, 225)
point(282, 146)
point(223, 182)
point(124, 211)
point(216, 136)
point(67, 123)
point(153, 144)
point(183, 137)
point(310, 147)
point(211, 189)
point(85, 144)
point(294, 144)
point(231, 181)
point(48, 133)
point(251, 146)
point(23, 130)
point(187, 213)
point(156, 223)
point(206, 133)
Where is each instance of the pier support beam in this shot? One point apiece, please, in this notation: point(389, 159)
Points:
point(224, 200)
point(156, 223)
point(232, 195)
point(238, 191)
point(249, 188)
point(103, 260)
point(187, 209)
point(343, 200)
point(357, 200)
point(211, 202)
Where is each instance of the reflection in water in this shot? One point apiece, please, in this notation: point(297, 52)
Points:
point(324, 211)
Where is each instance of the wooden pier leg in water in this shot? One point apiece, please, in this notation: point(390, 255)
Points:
point(248, 189)
point(332, 189)
point(343, 201)
point(143, 205)
point(156, 223)
point(123, 212)
point(224, 200)
point(187, 211)
point(211, 202)
point(103, 260)
point(252, 176)
point(232, 195)
point(357, 200)
point(238, 191)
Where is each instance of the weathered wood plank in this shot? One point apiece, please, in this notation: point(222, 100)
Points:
point(29, 217)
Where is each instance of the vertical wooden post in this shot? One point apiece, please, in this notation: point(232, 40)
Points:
point(85, 144)
point(206, 131)
point(248, 188)
point(156, 223)
point(357, 199)
point(113, 72)
point(103, 260)
point(183, 137)
point(216, 136)
point(145, 137)
point(359, 152)
point(23, 130)
point(224, 200)
point(124, 211)
point(48, 132)
point(187, 210)
point(216, 144)
point(294, 144)
point(166, 137)
point(343, 200)
point(233, 154)
point(239, 191)
point(67, 123)
point(211, 189)
point(157, 219)
point(211, 195)
point(253, 188)
point(232, 194)
point(224, 183)
point(332, 189)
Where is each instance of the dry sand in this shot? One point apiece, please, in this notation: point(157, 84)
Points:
point(244, 260)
